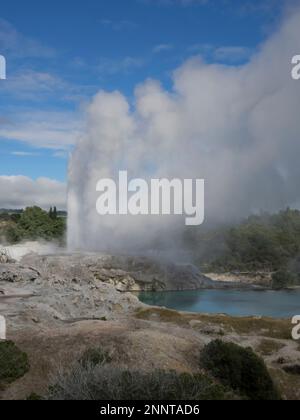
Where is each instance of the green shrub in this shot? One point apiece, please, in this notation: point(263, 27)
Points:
point(105, 382)
point(94, 357)
point(13, 362)
point(33, 224)
point(240, 369)
point(282, 279)
point(34, 397)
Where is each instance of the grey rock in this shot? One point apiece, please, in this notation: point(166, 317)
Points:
point(15, 273)
point(66, 288)
point(125, 273)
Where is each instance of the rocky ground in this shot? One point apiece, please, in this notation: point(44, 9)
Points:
point(57, 306)
point(62, 288)
point(255, 279)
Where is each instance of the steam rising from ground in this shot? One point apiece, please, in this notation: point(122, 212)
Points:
point(237, 127)
point(17, 252)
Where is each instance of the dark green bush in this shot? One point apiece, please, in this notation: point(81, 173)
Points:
point(240, 369)
point(13, 362)
point(105, 382)
point(34, 397)
point(282, 279)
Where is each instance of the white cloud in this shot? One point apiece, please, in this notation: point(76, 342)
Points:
point(38, 86)
point(61, 154)
point(162, 47)
point(21, 191)
point(123, 65)
point(43, 129)
point(18, 45)
point(232, 53)
point(228, 54)
point(23, 154)
point(34, 86)
point(52, 130)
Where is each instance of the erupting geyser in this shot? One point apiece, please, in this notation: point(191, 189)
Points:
point(237, 127)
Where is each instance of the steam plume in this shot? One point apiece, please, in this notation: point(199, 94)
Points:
point(236, 127)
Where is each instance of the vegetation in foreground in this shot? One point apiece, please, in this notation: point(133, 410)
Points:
point(94, 357)
point(13, 363)
point(231, 372)
point(240, 369)
point(109, 383)
point(223, 371)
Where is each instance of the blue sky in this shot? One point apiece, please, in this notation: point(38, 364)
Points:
point(61, 53)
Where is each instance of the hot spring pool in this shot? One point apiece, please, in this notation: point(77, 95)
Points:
point(275, 304)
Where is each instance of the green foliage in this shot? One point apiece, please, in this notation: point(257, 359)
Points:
point(34, 224)
point(282, 279)
point(240, 369)
point(53, 213)
point(94, 357)
point(34, 397)
point(261, 243)
point(105, 382)
point(12, 234)
point(13, 362)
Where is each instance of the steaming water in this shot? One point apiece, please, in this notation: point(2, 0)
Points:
point(17, 252)
point(275, 304)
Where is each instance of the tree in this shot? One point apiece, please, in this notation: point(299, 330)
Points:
point(282, 279)
point(36, 223)
point(262, 242)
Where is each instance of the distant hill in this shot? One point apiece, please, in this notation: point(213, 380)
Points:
point(61, 213)
point(11, 211)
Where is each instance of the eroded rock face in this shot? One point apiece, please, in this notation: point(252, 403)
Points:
point(15, 273)
point(46, 290)
point(125, 273)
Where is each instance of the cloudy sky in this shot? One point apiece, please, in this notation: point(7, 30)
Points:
point(60, 56)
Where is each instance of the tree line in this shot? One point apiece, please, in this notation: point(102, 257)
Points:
point(33, 223)
point(265, 242)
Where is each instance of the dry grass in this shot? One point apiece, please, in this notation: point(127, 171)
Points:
point(264, 327)
point(110, 383)
point(289, 385)
point(269, 347)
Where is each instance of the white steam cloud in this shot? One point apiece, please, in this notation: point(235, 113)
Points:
point(236, 127)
